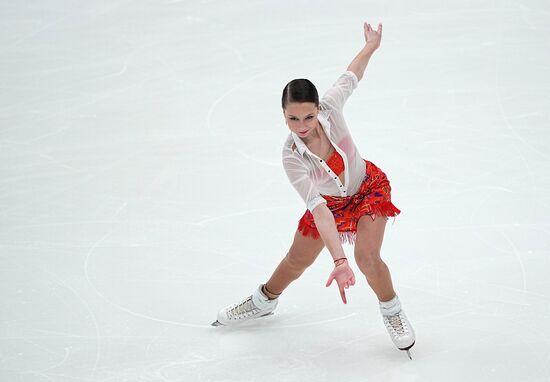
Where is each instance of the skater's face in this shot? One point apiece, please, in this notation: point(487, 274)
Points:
point(301, 118)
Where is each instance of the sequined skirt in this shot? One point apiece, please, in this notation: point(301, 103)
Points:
point(373, 198)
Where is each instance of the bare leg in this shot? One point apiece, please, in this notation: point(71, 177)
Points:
point(370, 235)
point(302, 254)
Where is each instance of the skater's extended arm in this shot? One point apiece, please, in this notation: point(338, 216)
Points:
point(342, 273)
point(372, 39)
point(324, 221)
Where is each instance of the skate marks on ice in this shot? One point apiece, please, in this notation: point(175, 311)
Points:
point(240, 213)
point(208, 122)
point(120, 307)
point(313, 323)
point(275, 325)
point(54, 286)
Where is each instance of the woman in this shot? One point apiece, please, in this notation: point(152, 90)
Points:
point(348, 199)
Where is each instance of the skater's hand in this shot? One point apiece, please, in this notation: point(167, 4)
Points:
point(372, 37)
point(344, 278)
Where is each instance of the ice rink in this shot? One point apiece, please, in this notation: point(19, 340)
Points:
point(133, 138)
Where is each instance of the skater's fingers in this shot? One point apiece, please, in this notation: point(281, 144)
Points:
point(343, 295)
point(329, 281)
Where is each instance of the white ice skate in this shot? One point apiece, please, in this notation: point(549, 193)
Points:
point(398, 325)
point(253, 306)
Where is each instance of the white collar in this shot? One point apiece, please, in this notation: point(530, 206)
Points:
point(322, 116)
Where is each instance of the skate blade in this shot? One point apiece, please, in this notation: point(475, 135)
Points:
point(408, 350)
point(217, 323)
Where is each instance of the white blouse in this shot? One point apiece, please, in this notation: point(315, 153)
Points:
point(309, 174)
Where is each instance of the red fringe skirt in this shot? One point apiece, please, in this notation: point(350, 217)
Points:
point(373, 198)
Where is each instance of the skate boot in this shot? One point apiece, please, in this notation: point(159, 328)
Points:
point(253, 306)
point(398, 325)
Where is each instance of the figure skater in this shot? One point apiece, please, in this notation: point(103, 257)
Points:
point(348, 199)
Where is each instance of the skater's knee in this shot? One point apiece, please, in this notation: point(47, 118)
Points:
point(369, 259)
point(298, 262)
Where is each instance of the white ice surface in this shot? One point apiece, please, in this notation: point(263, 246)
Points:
point(132, 133)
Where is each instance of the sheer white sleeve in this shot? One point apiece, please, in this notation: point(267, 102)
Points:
point(337, 95)
point(299, 177)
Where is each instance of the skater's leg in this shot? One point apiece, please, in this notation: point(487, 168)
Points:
point(367, 255)
point(370, 234)
point(302, 254)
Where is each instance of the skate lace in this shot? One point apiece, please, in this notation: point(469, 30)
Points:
point(397, 324)
point(243, 309)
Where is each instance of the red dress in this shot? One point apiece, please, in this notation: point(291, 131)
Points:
point(373, 198)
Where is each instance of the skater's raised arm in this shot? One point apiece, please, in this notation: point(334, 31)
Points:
point(336, 96)
point(372, 42)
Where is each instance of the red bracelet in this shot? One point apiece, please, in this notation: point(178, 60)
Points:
point(341, 258)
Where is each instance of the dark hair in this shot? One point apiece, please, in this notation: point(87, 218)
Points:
point(300, 90)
